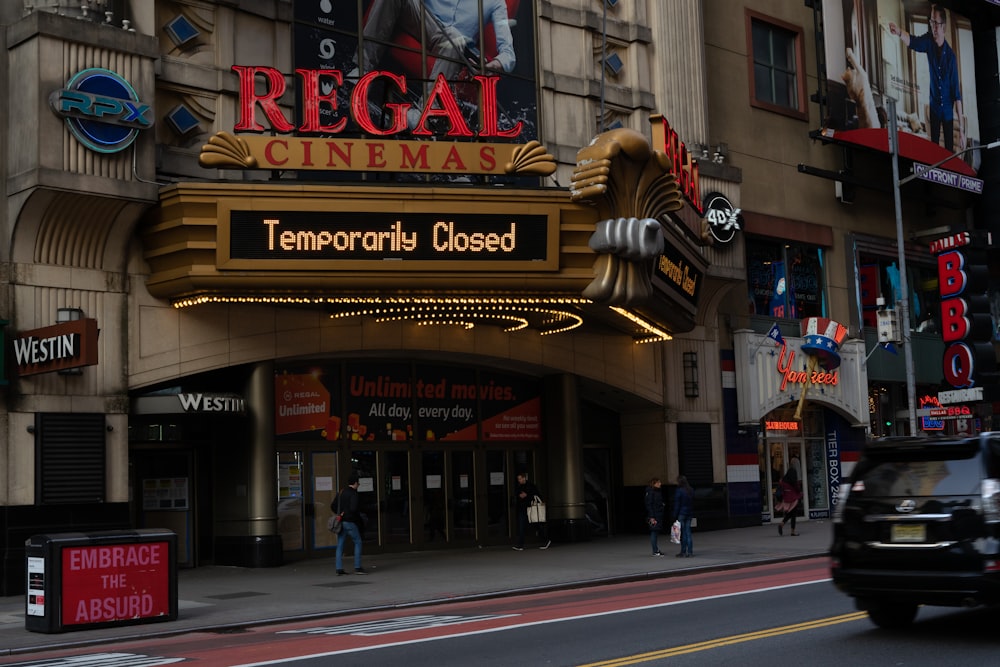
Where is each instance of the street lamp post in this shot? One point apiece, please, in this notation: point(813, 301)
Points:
point(904, 301)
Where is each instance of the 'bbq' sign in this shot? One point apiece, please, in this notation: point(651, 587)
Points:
point(966, 324)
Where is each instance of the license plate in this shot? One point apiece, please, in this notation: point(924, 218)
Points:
point(908, 532)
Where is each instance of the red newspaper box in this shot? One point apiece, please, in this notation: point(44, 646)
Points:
point(79, 581)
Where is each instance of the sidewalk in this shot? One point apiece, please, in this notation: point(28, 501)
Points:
point(223, 598)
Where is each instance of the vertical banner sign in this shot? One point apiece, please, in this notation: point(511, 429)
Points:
point(966, 323)
point(833, 466)
point(115, 582)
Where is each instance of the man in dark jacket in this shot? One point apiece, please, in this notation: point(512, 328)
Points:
point(347, 502)
point(654, 513)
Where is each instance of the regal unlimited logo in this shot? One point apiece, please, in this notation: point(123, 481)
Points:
point(101, 109)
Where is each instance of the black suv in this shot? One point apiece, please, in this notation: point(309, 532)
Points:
point(919, 523)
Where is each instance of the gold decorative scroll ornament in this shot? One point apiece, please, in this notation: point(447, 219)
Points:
point(632, 187)
point(254, 151)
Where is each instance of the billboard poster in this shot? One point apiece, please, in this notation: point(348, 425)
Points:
point(306, 403)
point(511, 407)
point(915, 54)
point(483, 49)
point(115, 582)
point(446, 404)
point(378, 402)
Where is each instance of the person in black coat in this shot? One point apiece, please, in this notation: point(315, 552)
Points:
point(654, 513)
point(524, 493)
point(683, 511)
point(347, 501)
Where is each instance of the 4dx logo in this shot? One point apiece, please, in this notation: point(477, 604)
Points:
point(722, 217)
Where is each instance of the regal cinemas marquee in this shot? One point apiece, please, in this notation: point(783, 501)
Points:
point(518, 249)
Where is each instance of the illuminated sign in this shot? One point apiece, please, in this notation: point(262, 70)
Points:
point(313, 236)
point(682, 163)
point(441, 103)
point(966, 322)
point(680, 276)
point(784, 367)
point(115, 582)
point(59, 347)
point(341, 149)
point(724, 219)
point(101, 109)
point(781, 426)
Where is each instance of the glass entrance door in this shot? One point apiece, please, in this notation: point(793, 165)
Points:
point(497, 497)
point(782, 455)
point(397, 515)
point(463, 496)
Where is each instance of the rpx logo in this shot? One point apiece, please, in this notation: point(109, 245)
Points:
point(107, 109)
point(101, 110)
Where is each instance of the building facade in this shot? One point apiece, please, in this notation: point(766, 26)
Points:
point(253, 247)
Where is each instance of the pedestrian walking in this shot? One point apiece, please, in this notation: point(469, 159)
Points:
point(655, 507)
point(788, 503)
point(347, 502)
point(683, 511)
point(524, 493)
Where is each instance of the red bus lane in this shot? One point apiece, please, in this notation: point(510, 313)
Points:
point(365, 631)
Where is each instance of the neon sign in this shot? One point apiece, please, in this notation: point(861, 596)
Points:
point(831, 378)
point(441, 102)
point(682, 163)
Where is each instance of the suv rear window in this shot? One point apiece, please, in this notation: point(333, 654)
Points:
point(928, 470)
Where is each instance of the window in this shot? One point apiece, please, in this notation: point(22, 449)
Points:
point(785, 279)
point(879, 277)
point(777, 66)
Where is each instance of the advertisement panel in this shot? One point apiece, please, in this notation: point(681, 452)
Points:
point(511, 408)
point(917, 55)
point(115, 582)
point(304, 404)
point(446, 404)
point(483, 49)
point(379, 402)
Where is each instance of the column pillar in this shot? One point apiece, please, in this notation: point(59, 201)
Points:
point(566, 507)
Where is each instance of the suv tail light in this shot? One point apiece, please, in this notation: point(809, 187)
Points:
point(991, 499)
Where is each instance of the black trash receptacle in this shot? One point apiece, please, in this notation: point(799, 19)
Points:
point(79, 581)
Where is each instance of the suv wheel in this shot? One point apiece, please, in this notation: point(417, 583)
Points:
point(892, 616)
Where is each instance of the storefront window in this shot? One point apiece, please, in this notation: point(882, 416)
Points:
point(879, 278)
point(785, 279)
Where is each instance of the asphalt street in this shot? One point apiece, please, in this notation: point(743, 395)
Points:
point(219, 598)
